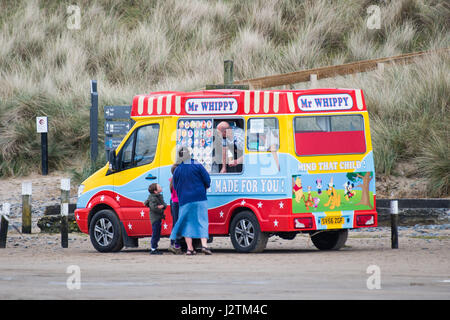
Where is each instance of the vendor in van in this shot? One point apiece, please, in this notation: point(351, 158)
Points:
point(233, 139)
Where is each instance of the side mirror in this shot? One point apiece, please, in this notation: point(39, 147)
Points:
point(112, 161)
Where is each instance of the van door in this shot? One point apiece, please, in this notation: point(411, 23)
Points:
point(139, 160)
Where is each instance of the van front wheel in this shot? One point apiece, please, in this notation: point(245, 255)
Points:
point(330, 240)
point(105, 232)
point(245, 233)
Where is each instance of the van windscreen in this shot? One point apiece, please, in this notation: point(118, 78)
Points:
point(328, 135)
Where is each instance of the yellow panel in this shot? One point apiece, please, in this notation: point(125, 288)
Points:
point(332, 219)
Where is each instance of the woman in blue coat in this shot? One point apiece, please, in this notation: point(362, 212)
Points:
point(191, 180)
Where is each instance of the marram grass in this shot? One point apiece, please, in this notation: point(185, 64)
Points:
point(143, 46)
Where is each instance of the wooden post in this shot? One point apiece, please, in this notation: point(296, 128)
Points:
point(227, 79)
point(380, 67)
point(4, 224)
point(26, 207)
point(228, 72)
point(65, 199)
point(313, 80)
point(94, 122)
point(394, 224)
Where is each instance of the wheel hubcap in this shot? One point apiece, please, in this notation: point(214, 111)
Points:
point(245, 233)
point(103, 232)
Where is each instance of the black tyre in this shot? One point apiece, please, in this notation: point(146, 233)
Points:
point(105, 232)
point(287, 235)
point(330, 240)
point(245, 233)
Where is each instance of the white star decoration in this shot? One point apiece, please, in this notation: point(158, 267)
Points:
point(130, 226)
point(142, 213)
point(221, 214)
point(281, 205)
point(102, 198)
point(117, 198)
point(165, 225)
point(78, 217)
point(260, 204)
point(275, 223)
point(242, 202)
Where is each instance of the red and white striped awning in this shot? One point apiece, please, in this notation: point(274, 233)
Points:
point(248, 102)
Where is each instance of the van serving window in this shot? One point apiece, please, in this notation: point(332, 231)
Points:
point(208, 140)
point(229, 145)
point(263, 134)
point(327, 135)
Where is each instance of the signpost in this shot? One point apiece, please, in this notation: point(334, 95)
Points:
point(94, 122)
point(42, 128)
point(112, 142)
point(117, 127)
point(117, 124)
point(117, 112)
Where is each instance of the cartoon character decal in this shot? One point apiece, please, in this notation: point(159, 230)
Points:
point(348, 190)
point(319, 186)
point(334, 198)
point(297, 189)
point(310, 201)
point(357, 188)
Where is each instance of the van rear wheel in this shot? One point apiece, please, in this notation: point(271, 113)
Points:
point(245, 233)
point(330, 240)
point(105, 232)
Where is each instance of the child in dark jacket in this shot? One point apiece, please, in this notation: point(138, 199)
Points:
point(157, 206)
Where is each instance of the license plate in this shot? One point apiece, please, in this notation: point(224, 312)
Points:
point(332, 220)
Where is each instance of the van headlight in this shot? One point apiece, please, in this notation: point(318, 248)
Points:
point(80, 190)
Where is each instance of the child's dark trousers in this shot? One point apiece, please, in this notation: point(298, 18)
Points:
point(156, 234)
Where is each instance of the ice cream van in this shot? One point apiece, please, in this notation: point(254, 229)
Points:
point(281, 162)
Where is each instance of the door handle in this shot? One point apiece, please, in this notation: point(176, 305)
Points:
point(150, 177)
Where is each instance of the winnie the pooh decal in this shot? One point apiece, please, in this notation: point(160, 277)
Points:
point(297, 189)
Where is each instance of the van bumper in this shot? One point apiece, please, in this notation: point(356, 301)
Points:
point(321, 221)
point(81, 217)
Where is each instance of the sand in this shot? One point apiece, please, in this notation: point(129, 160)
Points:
point(35, 266)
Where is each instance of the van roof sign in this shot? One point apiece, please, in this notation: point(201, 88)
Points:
point(322, 102)
point(211, 106)
point(246, 102)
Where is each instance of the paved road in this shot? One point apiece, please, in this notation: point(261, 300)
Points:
point(36, 266)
